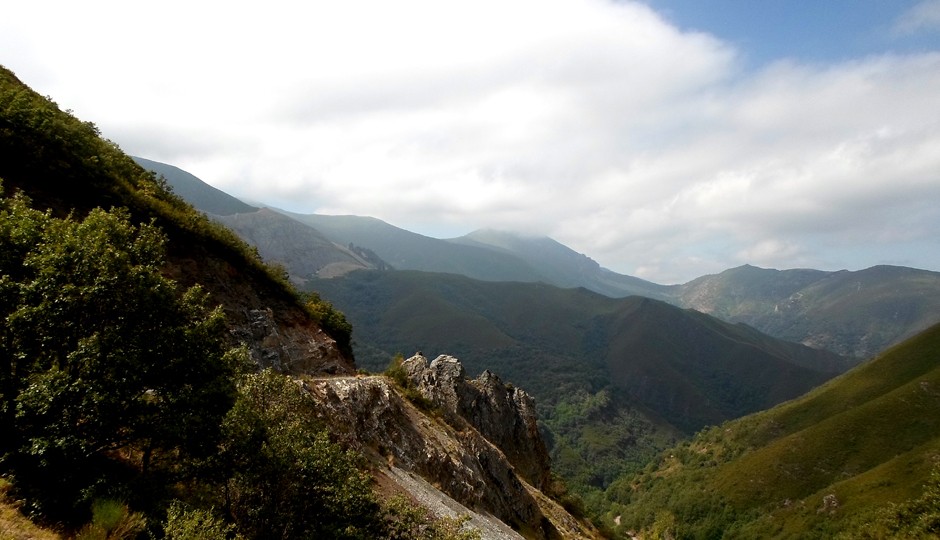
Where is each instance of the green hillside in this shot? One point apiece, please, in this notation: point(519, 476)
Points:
point(827, 463)
point(852, 313)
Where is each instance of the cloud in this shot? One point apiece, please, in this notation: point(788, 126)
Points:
point(599, 123)
point(922, 17)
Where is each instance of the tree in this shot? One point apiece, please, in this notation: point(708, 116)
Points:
point(100, 351)
point(286, 478)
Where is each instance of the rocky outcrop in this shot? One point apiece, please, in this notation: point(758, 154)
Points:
point(503, 414)
point(265, 319)
point(443, 447)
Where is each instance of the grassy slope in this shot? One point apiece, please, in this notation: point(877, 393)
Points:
point(868, 437)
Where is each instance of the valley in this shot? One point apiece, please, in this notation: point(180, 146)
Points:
point(620, 371)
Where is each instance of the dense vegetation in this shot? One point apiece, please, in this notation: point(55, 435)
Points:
point(854, 455)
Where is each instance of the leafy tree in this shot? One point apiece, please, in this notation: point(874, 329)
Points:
point(100, 352)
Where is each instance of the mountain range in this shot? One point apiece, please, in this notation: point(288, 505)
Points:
point(852, 313)
point(578, 335)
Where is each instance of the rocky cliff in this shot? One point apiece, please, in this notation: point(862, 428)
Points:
point(469, 447)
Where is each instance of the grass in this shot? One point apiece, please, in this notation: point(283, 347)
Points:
point(14, 525)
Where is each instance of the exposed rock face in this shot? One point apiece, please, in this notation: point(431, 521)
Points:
point(297, 349)
point(271, 324)
point(505, 415)
point(446, 448)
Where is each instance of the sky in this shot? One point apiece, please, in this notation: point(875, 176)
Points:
point(666, 139)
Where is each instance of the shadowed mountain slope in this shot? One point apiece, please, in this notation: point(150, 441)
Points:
point(690, 368)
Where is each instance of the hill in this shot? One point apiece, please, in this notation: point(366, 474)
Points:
point(297, 247)
point(828, 462)
point(405, 250)
point(852, 313)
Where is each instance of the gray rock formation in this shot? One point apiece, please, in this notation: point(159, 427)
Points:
point(453, 442)
point(505, 415)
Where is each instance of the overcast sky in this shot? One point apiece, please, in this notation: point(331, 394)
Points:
point(665, 139)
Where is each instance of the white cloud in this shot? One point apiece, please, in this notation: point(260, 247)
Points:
point(922, 17)
point(598, 123)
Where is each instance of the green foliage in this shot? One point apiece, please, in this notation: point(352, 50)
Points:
point(184, 523)
point(68, 167)
point(329, 318)
point(286, 479)
point(112, 520)
point(915, 519)
point(101, 352)
point(809, 468)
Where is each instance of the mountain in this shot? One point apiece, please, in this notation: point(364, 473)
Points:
point(563, 266)
point(276, 458)
point(830, 462)
point(692, 369)
point(615, 380)
point(301, 250)
point(405, 250)
point(852, 313)
point(196, 192)
point(297, 247)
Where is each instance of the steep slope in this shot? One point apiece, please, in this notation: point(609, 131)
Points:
point(300, 249)
point(62, 164)
point(481, 448)
point(808, 468)
point(852, 313)
point(196, 192)
point(563, 266)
